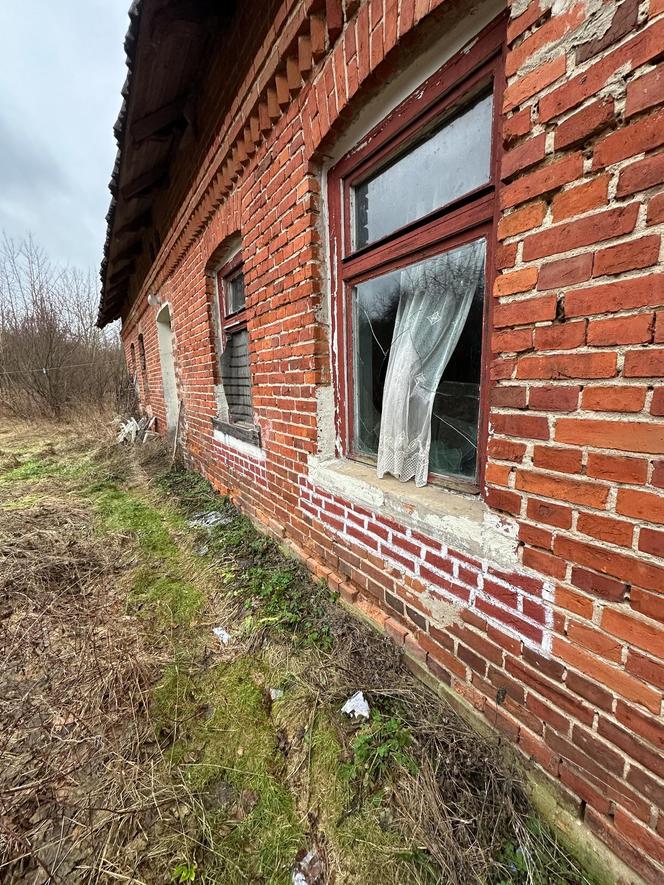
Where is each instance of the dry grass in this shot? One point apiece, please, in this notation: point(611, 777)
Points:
point(115, 764)
point(83, 776)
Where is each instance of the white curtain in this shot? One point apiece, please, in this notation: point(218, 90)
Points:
point(435, 298)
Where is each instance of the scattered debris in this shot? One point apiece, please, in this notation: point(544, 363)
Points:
point(210, 520)
point(222, 635)
point(309, 869)
point(203, 550)
point(276, 693)
point(356, 706)
point(133, 431)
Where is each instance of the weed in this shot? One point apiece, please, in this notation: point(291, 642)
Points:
point(185, 871)
point(380, 747)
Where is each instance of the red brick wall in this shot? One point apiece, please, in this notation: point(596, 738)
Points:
point(564, 650)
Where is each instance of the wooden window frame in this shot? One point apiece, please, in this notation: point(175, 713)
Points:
point(229, 324)
point(470, 217)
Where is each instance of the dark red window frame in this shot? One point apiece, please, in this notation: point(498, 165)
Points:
point(468, 218)
point(236, 321)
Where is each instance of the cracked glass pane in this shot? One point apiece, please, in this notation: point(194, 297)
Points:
point(441, 166)
point(454, 394)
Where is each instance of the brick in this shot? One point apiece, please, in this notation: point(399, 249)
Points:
point(623, 22)
point(607, 674)
point(581, 198)
point(645, 668)
point(555, 693)
point(581, 365)
point(605, 528)
point(632, 746)
point(554, 398)
point(599, 585)
point(544, 562)
point(644, 363)
point(645, 92)
point(652, 730)
point(529, 426)
point(575, 491)
point(626, 436)
point(526, 154)
point(506, 449)
point(655, 210)
point(560, 336)
point(621, 330)
point(528, 310)
point(641, 175)
point(645, 134)
point(594, 640)
point(608, 562)
point(637, 834)
point(646, 506)
point(516, 281)
point(501, 499)
point(642, 634)
point(581, 232)
point(634, 255)
point(647, 291)
point(505, 255)
point(541, 181)
point(585, 123)
point(509, 396)
point(590, 691)
point(657, 402)
point(613, 399)
point(522, 219)
point(558, 459)
point(525, 87)
point(649, 604)
point(646, 785)
point(651, 541)
point(616, 468)
point(565, 272)
point(574, 602)
point(573, 778)
point(535, 536)
point(516, 125)
point(512, 341)
point(537, 751)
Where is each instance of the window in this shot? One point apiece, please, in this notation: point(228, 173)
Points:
point(134, 373)
point(411, 216)
point(234, 363)
point(143, 362)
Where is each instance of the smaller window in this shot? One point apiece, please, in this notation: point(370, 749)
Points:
point(143, 362)
point(235, 375)
point(134, 376)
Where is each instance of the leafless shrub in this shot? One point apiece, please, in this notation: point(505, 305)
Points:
point(53, 358)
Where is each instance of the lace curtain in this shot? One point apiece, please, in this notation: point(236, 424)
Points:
point(435, 298)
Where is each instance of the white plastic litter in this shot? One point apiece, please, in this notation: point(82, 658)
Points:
point(222, 635)
point(299, 879)
point(276, 693)
point(209, 520)
point(356, 706)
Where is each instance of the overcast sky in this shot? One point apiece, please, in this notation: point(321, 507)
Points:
point(61, 72)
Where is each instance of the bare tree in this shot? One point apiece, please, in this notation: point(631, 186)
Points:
point(53, 358)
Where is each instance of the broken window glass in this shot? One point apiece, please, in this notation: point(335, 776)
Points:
point(442, 166)
point(417, 337)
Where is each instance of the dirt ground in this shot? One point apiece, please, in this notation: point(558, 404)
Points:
point(171, 686)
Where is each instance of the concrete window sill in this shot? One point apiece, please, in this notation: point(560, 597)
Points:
point(458, 520)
